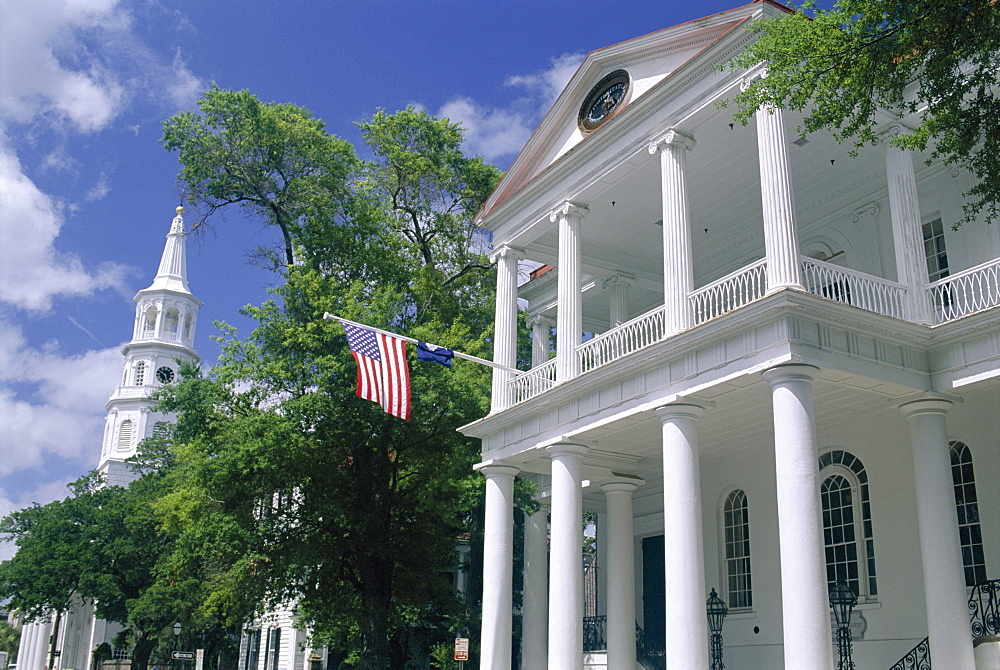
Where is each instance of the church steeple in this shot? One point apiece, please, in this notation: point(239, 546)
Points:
point(166, 314)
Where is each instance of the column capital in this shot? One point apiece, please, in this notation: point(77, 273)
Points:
point(618, 279)
point(568, 208)
point(867, 211)
point(561, 449)
point(750, 77)
point(887, 133)
point(672, 137)
point(505, 251)
point(683, 409)
point(930, 403)
point(539, 320)
point(621, 484)
point(495, 468)
point(796, 372)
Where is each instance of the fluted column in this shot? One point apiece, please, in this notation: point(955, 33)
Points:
point(498, 565)
point(805, 609)
point(619, 285)
point(781, 236)
point(541, 335)
point(907, 230)
point(569, 319)
point(940, 546)
point(566, 559)
point(505, 328)
point(678, 267)
point(25, 648)
point(620, 571)
point(534, 611)
point(684, 553)
point(866, 220)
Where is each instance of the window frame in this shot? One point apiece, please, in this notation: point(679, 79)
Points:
point(840, 462)
point(728, 512)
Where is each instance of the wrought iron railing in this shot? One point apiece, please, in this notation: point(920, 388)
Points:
point(619, 342)
point(966, 292)
point(595, 633)
point(918, 658)
point(650, 655)
point(853, 288)
point(984, 608)
point(731, 292)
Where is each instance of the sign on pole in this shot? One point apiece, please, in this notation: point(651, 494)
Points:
point(199, 659)
point(183, 655)
point(461, 649)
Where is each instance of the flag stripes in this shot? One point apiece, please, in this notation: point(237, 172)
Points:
point(383, 372)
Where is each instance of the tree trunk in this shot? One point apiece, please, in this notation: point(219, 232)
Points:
point(141, 652)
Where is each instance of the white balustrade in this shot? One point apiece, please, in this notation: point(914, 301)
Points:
point(529, 384)
point(631, 336)
point(736, 289)
point(966, 292)
point(865, 291)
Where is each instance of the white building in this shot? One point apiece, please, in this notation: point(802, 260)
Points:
point(166, 314)
point(794, 367)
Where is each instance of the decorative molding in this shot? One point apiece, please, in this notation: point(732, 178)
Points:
point(616, 279)
point(865, 211)
point(672, 137)
point(506, 251)
point(750, 77)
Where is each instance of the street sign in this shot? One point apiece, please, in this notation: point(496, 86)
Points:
point(183, 655)
point(461, 649)
point(199, 659)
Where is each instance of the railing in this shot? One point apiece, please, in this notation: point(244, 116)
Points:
point(730, 292)
point(966, 292)
point(853, 288)
point(595, 633)
point(529, 384)
point(619, 342)
point(645, 652)
point(984, 608)
point(918, 658)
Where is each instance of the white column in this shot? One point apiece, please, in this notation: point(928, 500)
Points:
point(620, 571)
point(569, 319)
point(619, 286)
point(534, 611)
point(40, 656)
point(907, 230)
point(505, 328)
point(940, 546)
point(26, 646)
point(684, 553)
point(541, 335)
point(805, 609)
point(566, 560)
point(498, 565)
point(678, 269)
point(865, 218)
point(781, 236)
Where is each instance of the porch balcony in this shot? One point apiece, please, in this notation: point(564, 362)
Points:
point(951, 298)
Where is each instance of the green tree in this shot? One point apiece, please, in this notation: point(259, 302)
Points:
point(10, 638)
point(348, 512)
point(934, 63)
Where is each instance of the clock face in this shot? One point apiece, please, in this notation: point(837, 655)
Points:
point(164, 375)
point(604, 100)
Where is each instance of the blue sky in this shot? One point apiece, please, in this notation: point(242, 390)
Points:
point(87, 192)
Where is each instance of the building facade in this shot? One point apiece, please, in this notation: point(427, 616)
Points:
point(776, 369)
point(166, 315)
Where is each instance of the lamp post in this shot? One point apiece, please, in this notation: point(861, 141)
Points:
point(717, 610)
point(177, 635)
point(842, 600)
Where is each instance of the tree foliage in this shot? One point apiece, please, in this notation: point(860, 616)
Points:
point(348, 513)
point(932, 64)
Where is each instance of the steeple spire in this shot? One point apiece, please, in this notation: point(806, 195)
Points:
point(172, 275)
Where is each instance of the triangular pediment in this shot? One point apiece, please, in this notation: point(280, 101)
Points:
point(649, 62)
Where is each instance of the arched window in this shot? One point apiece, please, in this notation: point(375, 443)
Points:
point(847, 523)
point(171, 319)
point(149, 322)
point(967, 505)
point(140, 373)
point(736, 520)
point(125, 435)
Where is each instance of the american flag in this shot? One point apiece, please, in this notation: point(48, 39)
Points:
point(383, 373)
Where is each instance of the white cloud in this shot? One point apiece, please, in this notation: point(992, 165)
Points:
point(99, 190)
point(63, 415)
point(44, 494)
point(499, 132)
point(32, 271)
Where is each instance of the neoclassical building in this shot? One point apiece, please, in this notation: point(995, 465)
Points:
point(776, 368)
point(166, 314)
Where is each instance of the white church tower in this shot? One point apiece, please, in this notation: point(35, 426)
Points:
point(162, 338)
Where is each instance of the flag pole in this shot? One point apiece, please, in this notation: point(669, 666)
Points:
point(468, 357)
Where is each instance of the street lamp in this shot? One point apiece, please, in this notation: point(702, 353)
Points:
point(842, 600)
point(177, 635)
point(717, 610)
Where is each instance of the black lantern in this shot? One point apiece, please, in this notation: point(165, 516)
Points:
point(717, 611)
point(842, 600)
